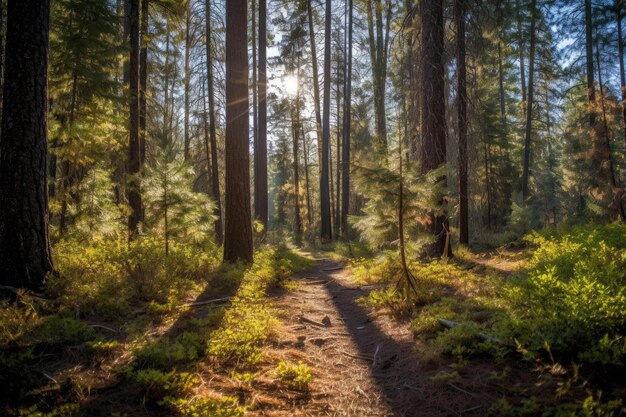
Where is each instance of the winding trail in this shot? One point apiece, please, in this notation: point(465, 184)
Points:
point(362, 365)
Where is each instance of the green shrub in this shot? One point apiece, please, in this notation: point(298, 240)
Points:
point(205, 407)
point(61, 331)
point(157, 384)
point(164, 353)
point(297, 377)
point(574, 298)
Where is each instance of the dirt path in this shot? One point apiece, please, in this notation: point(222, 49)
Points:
point(362, 365)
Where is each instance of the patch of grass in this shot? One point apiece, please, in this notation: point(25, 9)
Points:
point(162, 354)
point(295, 376)
point(205, 407)
point(156, 384)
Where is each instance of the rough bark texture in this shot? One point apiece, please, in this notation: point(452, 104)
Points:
point(143, 78)
point(24, 244)
point(433, 129)
point(459, 16)
point(347, 120)
point(134, 145)
point(326, 232)
point(215, 177)
point(530, 98)
point(238, 236)
point(260, 145)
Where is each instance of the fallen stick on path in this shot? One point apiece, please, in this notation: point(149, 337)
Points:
point(317, 282)
point(313, 322)
point(202, 303)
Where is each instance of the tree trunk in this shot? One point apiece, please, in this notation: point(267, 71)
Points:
point(134, 149)
point(591, 89)
point(143, 78)
point(347, 120)
point(529, 107)
point(326, 232)
point(316, 86)
point(260, 145)
point(238, 236)
point(337, 197)
point(215, 177)
point(620, 49)
point(295, 123)
point(459, 16)
point(433, 129)
point(187, 137)
point(255, 105)
point(521, 46)
point(305, 153)
point(24, 243)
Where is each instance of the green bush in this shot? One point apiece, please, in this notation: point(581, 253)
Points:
point(205, 407)
point(164, 353)
point(574, 298)
point(297, 377)
point(61, 331)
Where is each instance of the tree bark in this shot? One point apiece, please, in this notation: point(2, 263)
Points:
point(529, 107)
point(187, 136)
point(238, 230)
point(215, 177)
point(316, 86)
point(433, 129)
point(134, 147)
point(143, 78)
point(521, 46)
point(347, 120)
point(260, 145)
point(620, 49)
point(295, 125)
point(326, 232)
point(459, 16)
point(24, 243)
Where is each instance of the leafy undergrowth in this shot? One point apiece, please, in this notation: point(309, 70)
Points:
point(560, 318)
point(130, 329)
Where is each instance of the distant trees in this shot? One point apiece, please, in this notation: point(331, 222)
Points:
point(238, 227)
point(24, 243)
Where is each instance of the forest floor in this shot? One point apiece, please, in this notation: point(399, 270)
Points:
point(224, 359)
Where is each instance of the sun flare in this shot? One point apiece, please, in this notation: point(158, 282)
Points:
point(290, 83)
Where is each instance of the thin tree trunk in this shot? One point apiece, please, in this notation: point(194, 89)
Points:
point(347, 120)
point(255, 106)
point(326, 231)
point(134, 149)
point(215, 177)
point(316, 86)
point(260, 147)
point(620, 50)
point(24, 243)
point(337, 198)
point(459, 16)
point(295, 122)
point(529, 108)
point(521, 46)
point(309, 207)
point(238, 230)
point(187, 137)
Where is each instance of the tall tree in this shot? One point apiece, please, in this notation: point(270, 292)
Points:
point(347, 120)
point(433, 129)
point(260, 145)
point(326, 232)
point(459, 16)
point(316, 84)
point(188, 45)
point(143, 77)
point(530, 98)
point(24, 243)
point(215, 177)
point(134, 151)
point(238, 230)
point(620, 53)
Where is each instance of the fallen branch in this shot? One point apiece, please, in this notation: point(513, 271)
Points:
point(203, 303)
point(334, 268)
point(450, 324)
point(317, 282)
point(358, 356)
point(313, 322)
point(99, 326)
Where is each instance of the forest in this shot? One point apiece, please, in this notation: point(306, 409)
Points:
point(228, 208)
